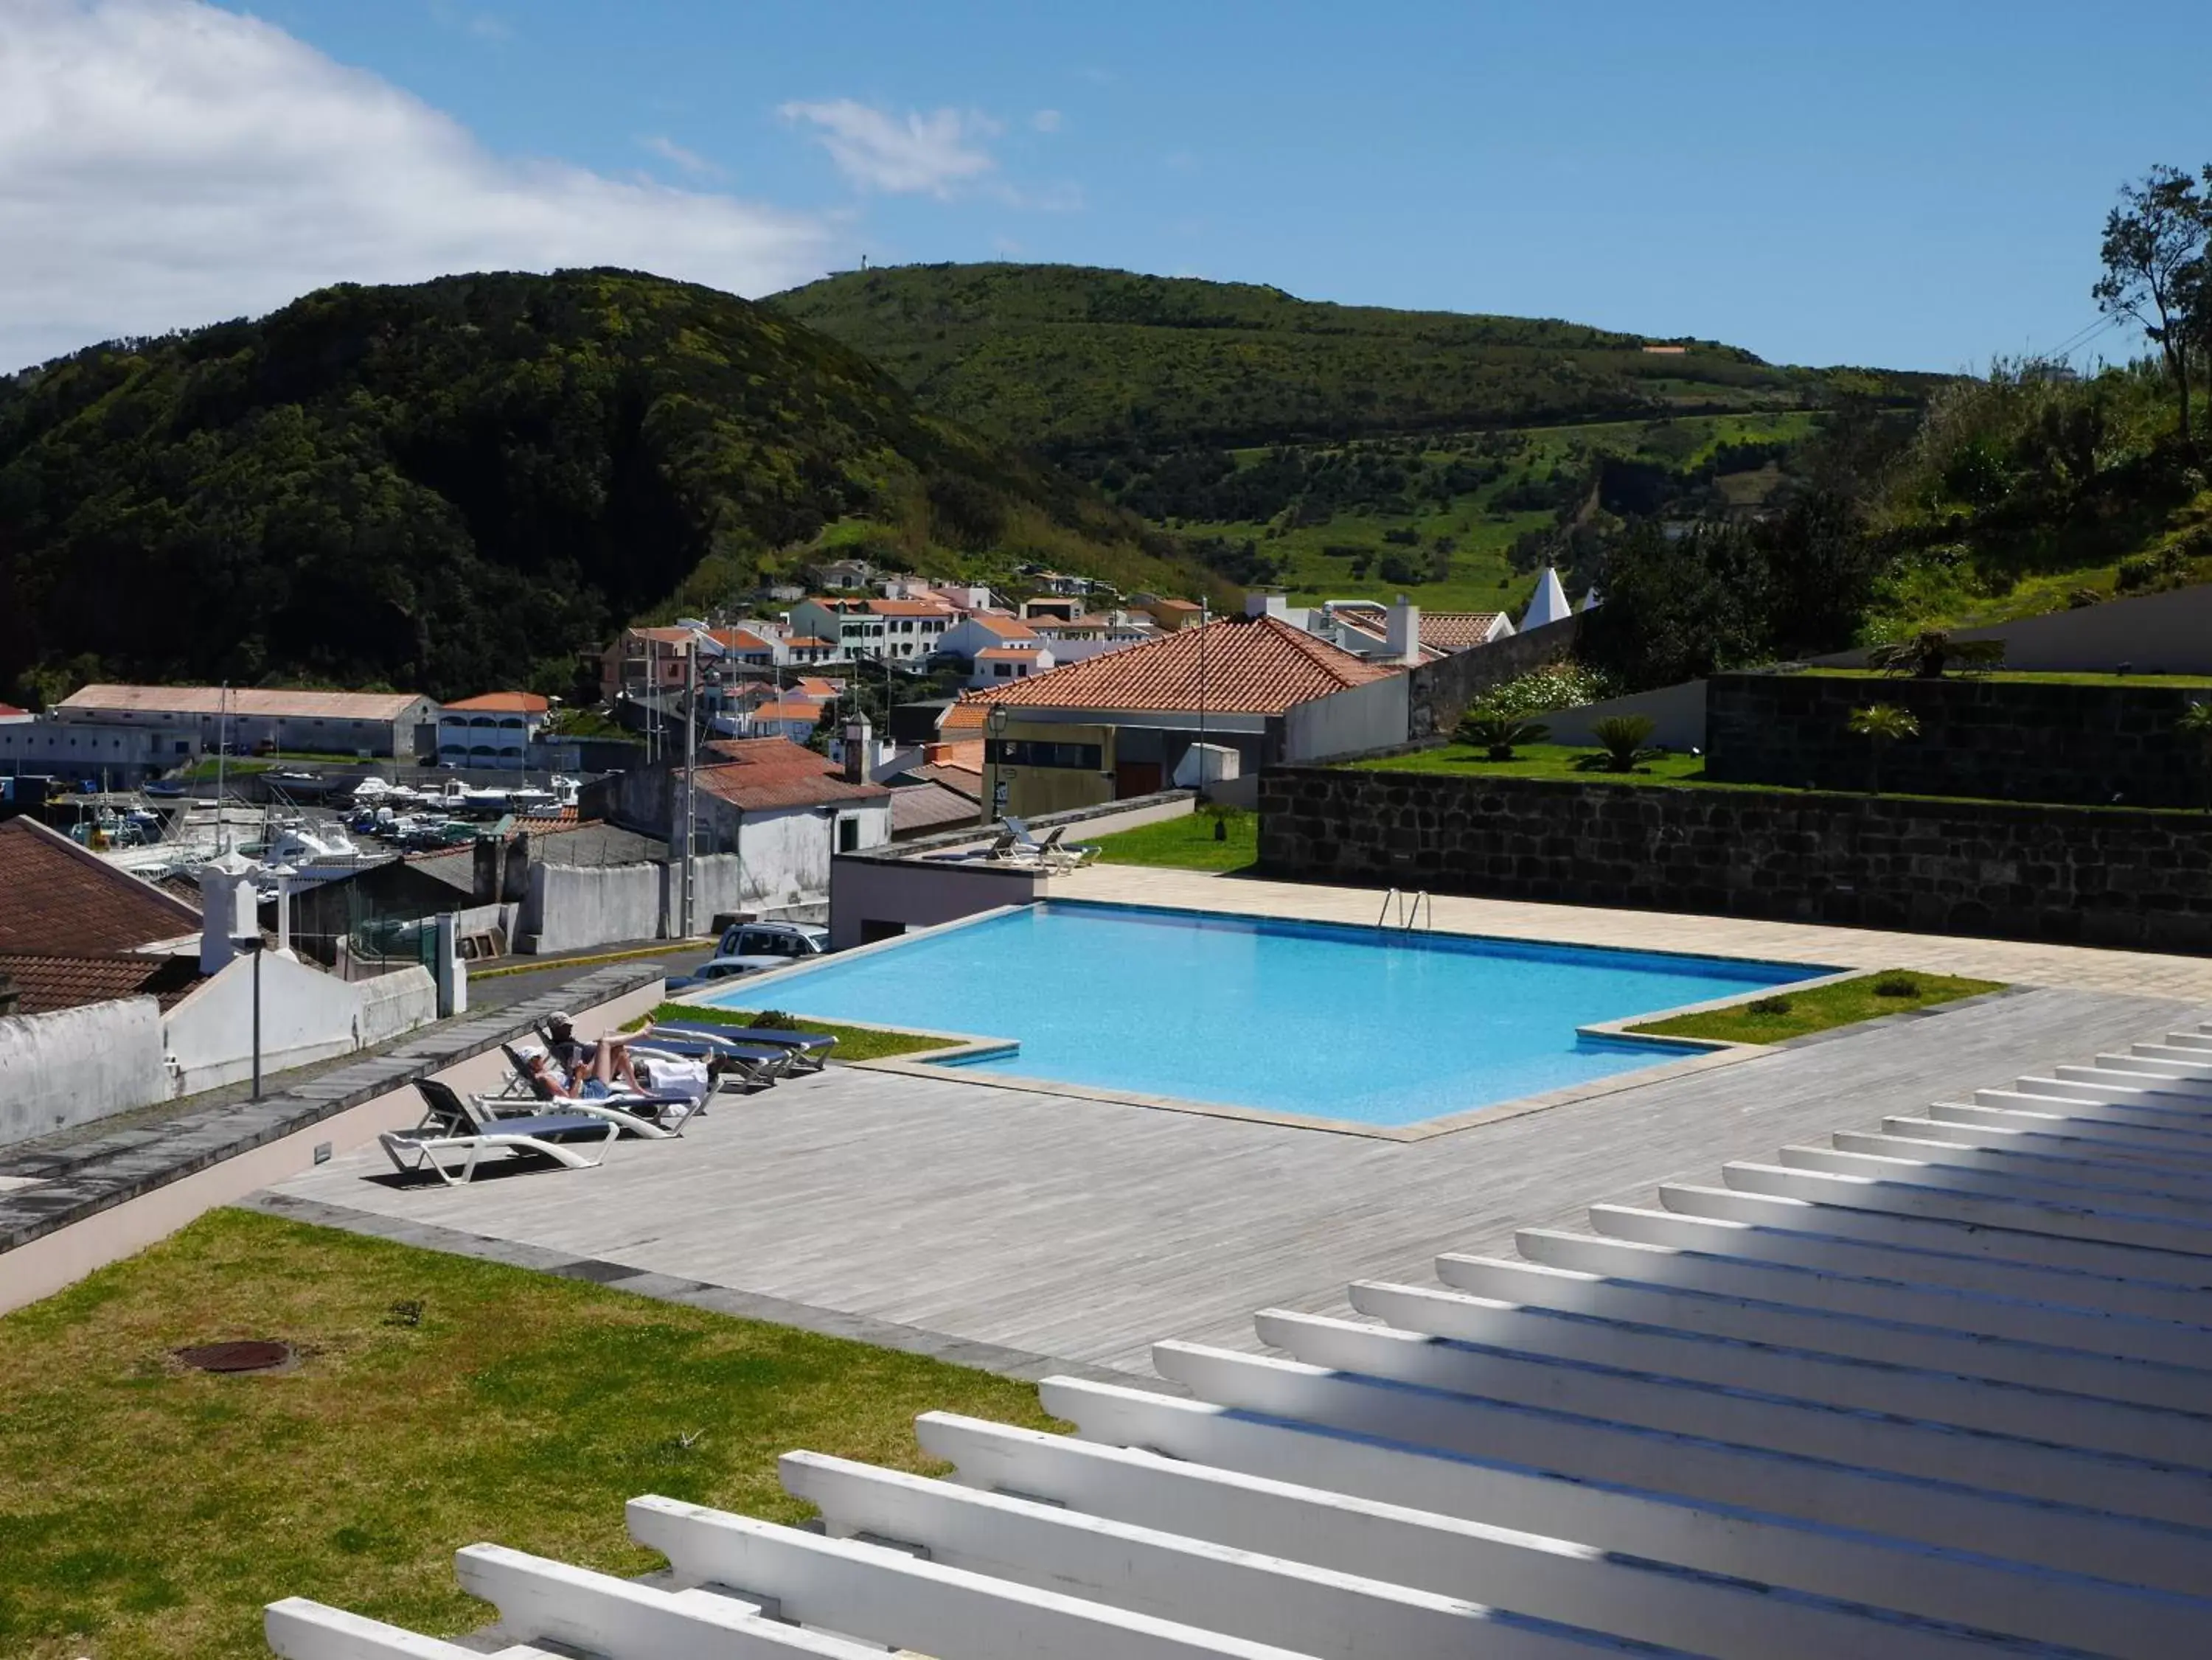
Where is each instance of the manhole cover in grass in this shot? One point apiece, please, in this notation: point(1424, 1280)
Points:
point(250, 1354)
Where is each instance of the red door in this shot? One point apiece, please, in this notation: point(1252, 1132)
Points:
point(1136, 778)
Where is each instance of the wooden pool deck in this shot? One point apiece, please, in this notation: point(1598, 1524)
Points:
point(943, 1214)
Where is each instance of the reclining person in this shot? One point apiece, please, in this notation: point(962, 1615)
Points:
point(605, 1071)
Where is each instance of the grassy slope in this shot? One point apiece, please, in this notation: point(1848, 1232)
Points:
point(146, 1511)
point(1845, 1004)
point(854, 1043)
point(1052, 355)
point(1087, 364)
point(1185, 843)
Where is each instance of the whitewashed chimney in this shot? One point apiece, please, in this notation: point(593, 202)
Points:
point(1404, 632)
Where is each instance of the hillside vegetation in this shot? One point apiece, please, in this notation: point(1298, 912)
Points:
point(1338, 450)
point(467, 482)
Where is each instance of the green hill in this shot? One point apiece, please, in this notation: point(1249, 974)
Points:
point(1069, 358)
point(1339, 450)
point(467, 482)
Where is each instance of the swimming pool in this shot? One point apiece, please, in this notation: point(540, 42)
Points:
point(1311, 1019)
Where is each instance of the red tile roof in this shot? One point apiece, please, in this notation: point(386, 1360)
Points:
point(909, 607)
point(1456, 631)
point(765, 772)
point(741, 640)
point(916, 808)
point(1256, 666)
point(57, 899)
point(803, 641)
point(504, 703)
point(51, 982)
point(1004, 627)
point(270, 700)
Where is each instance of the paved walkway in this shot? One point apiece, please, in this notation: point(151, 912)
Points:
point(2017, 962)
point(1082, 1231)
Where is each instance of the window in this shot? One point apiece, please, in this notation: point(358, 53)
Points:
point(1001, 669)
point(1031, 752)
point(848, 835)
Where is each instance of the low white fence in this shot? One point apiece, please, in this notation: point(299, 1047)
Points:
point(75, 1065)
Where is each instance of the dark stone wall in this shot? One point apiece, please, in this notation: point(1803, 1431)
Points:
point(1438, 692)
point(2000, 740)
point(2070, 874)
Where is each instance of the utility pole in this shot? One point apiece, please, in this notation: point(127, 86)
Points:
point(690, 760)
point(222, 754)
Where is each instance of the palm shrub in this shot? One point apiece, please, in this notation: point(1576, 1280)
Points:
point(1624, 739)
point(1498, 734)
point(2195, 727)
point(1881, 725)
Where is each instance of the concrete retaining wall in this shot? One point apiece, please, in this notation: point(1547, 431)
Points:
point(1352, 721)
point(572, 907)
point(2151, 633)
point(2139, 880)
point(77, 1065)
point(306, 1015)
point(1677, 714)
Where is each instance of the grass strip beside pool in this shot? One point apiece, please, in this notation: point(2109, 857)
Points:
point(854, 1043)
point(149, 1511)
point(1783, 1014)
point(1185, 843)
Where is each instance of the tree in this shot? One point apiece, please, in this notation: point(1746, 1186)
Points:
point(1882, 724)
point(2155, 268)
point(1932, 650)
point(2195, 727)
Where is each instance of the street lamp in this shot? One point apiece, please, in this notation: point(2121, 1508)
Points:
point(251, 945)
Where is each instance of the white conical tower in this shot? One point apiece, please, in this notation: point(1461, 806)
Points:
point(1550, 604)
point(1591, 600)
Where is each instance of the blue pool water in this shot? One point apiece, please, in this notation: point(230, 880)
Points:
point(1301, 1018)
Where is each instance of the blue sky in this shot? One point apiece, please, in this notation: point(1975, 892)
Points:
point(1919, 186)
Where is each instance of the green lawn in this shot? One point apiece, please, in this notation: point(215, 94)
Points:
point(1185, 843)
point(854, 1043)
point(148, 1510)
point(1785, 1014)
point(1545, 761)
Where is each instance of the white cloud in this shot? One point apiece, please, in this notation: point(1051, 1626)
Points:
point(924, 154)
point(164, 163)
point(1046, 120)
point(670, 151)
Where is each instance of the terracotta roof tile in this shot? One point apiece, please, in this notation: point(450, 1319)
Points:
point(240, 700)
point(1260, 666)
point(909, 608)
point(930, 806)
point(51, 982)
point(1004, 627)
point(57, 898)
point(1456, 631)
point(764, 772)
point(507, 703)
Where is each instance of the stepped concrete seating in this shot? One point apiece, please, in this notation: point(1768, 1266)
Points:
point(1936, 1390)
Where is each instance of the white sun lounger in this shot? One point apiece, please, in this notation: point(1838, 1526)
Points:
point(576, 1140)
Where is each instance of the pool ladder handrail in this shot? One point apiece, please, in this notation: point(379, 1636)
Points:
point(1408, 908)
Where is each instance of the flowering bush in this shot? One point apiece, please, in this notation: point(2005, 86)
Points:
point(1565, 684)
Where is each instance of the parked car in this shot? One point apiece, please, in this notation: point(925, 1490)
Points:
point(779, 940)
point(723, 968)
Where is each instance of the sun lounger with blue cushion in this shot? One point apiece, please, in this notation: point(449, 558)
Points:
point(811, 1047)
point(577, 1141)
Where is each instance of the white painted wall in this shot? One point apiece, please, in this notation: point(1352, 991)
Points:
point(1375, 716)
point(75, 1065)
point(305, 1015)
point(1677, 712)
point(787, 854)
point(572, 907)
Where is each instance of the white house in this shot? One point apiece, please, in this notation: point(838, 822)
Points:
point(997, 664)
point(493, 730)
point(902, 630)
point(983, 630)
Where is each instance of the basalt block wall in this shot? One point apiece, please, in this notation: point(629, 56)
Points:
point(2078, 874)
point(2001, 740)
